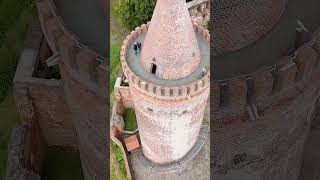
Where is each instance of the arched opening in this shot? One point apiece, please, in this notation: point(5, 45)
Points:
point(153, 68)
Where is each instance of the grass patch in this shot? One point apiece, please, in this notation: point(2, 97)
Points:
point(117, 165)
point(9, 119)
point(117, 156)
point(15, 16)
point(62, 165)
point(12, 35)
point(10, 11)
point(114, 10)
point(130, 120)
point(114, 64)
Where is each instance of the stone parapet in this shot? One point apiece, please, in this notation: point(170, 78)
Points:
point(42, 98)
point(88, 65)
point(163, 92)
point(84, 76)
point(261, 87)
point(123, 94)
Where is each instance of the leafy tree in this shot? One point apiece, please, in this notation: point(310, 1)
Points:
point(133, 13)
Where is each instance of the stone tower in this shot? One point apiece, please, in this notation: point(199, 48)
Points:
point(265, 87)
point(169, 80)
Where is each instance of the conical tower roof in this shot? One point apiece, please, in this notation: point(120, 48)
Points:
point(170, 49)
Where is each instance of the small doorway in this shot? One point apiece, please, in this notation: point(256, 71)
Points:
point(153, 68)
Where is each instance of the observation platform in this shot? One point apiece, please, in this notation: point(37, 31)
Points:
point(134, 62)
point(275, 44)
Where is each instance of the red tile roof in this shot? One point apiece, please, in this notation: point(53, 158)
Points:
point(132, 143)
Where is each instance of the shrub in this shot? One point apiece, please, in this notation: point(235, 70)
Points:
point(133, 13)
point(119, 159)
point(130, 120)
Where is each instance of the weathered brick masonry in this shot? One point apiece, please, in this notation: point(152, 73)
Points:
point(237, 24)
point(44, 97)
point(261, 121)
point(71, 111)
point(169, 117)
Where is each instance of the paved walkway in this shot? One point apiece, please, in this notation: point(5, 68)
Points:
point(277, 43)
point(135, 64)
point(85, 18)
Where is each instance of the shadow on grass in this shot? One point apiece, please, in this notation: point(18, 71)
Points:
point(9, 118)
point(62, 165)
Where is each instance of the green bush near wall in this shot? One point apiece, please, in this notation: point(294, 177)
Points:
point(15, 16)
point(130, 120)
point(133, 13)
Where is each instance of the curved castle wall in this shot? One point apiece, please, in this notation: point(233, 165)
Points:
point(261, 120)
point(169, 118)
point(83, 73)
point(168, 129)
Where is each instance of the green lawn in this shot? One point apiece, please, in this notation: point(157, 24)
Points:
point(62, 165)
point(130, 120)
point(114, 64)
point(9, 119)
point(15, 16)
point(117, 33)
point(117, 166)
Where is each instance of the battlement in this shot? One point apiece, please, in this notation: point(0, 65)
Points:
point(248, 95)
point(82, 62)
point(162, 92)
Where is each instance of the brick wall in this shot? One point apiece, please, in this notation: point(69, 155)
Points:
point(282, 98)
point(239, 23)
point(164, 113)
point(42, 97)
point(168, 129)
point(84, 76)
point(25, 153)
point(123, 94)
point(90, 120)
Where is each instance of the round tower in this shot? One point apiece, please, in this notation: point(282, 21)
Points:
point(238, 24)
point(168, 79)
point(264, 95)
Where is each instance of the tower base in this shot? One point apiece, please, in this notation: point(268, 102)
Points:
point(194, 165)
